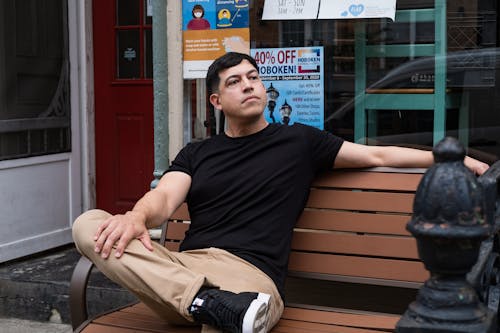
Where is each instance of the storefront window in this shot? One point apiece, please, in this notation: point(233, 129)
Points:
point(408, 82)
point(34, 78)
point(433, 72)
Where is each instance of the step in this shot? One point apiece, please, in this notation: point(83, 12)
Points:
point(37, 287)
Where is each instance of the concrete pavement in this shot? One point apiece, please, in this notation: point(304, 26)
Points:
point(34, 292)
point(14, 325)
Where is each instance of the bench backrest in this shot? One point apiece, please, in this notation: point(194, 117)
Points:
point(352, 229)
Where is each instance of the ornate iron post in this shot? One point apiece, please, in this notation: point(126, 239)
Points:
point(449, 222)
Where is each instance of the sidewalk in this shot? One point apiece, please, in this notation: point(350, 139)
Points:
point(34, 292)
point(12, 325)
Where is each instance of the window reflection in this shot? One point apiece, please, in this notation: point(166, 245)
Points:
point(472, 60)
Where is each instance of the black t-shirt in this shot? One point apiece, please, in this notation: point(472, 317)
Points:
point(248, 192)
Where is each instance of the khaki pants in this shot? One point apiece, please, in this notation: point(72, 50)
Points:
point(168, 281)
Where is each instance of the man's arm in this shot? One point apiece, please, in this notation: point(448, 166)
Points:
point(155, 207)
point(352, 155)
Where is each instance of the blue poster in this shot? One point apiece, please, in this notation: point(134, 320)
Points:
point(294, 81)
point(214, 14)
point(199, 15)
point(232, 14)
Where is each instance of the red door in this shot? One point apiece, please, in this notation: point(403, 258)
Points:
point(123, 102)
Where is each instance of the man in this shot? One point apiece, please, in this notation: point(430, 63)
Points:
point(245, 190)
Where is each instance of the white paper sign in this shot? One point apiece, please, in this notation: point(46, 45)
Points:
point(351, 9)
point(290, 10)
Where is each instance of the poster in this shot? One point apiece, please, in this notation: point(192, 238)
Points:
point(295, 76)
point(338, 9)
point(210, 29)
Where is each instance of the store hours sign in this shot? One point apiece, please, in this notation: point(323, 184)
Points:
point(332, 9)
point(294, 81)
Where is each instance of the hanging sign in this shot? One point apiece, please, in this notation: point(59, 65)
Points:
point(290, 10)
point(349, 9)
point(210, 29)
point(294, 81)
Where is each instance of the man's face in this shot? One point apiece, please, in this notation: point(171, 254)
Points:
point(241, 92)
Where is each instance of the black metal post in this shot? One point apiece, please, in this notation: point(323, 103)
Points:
point(449, 222)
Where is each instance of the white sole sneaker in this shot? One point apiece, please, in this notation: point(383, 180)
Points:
point(256, 316)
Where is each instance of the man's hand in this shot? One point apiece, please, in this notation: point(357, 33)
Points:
point(475, 166)
point(120, 230)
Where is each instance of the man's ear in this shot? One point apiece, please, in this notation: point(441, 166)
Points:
point(214, 100)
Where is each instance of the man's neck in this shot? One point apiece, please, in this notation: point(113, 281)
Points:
point(234, 130)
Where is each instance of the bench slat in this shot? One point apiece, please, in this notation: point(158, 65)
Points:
point(362, 201)
point(177, 230)
point(359, 319)
point(182, 213)
point(296, 326)
point(377, 268)
point(139, 321)
point(99, 328)
point(369, 180)
point(173, 246)
point(354, 221)
point(343, 243)
point(138, 318)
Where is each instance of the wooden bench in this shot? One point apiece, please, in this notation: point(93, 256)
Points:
point(352, 231)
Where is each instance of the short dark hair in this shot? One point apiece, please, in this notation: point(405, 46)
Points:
point(226, 61)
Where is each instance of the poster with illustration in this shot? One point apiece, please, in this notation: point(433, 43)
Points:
point(198, 15)
point(294, 80)
point(210, 29)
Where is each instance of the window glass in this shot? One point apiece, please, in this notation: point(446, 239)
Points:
point(133, 35)
point(148, 65)
point(127, 12)
point(403, 68)
point(34, 79)
point(128, 54)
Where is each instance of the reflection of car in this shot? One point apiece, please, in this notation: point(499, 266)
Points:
point(465, 69)
point(472, 71)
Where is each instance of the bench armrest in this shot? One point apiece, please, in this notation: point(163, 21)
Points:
point(78, 292)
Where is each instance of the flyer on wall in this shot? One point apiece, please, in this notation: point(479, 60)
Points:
point(294, 81)
point(210, 29)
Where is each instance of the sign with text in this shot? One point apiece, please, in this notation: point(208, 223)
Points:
point(294, 81)
point(290, 10)
point(348, 9)
point(333, 9)
point(210, 29)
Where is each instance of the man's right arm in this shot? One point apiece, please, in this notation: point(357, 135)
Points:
point(155, 207)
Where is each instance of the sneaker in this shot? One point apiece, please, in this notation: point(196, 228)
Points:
point(236, 313)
